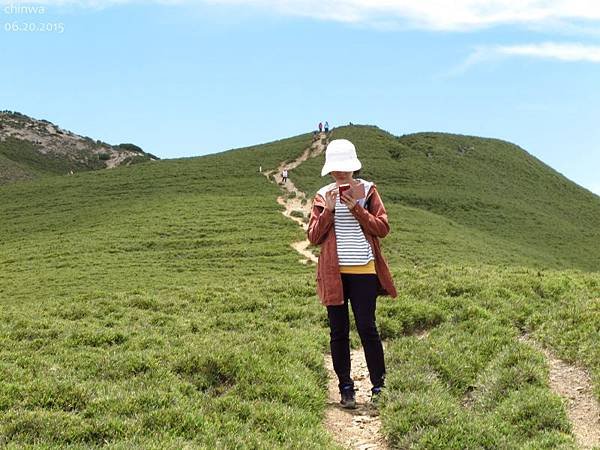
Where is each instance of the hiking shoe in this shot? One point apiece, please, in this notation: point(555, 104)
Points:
point(348, 400)
point(376, 395)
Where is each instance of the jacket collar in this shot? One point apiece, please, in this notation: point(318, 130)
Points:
point(368, 190)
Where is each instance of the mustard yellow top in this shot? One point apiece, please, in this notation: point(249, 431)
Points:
point(367, 268)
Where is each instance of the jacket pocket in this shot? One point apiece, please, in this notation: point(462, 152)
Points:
point(319, 286)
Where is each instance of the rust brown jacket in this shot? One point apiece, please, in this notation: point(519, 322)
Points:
point(374, 223)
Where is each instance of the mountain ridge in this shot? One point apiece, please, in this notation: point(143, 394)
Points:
point(493, 186)
point(449, 197)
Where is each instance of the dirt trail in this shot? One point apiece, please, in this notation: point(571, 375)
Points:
point(353, 429)
point(294, 200)
point(574, 384)
point(358, 428)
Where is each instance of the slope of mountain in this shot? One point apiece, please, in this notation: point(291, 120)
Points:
point(465, 198)
point(31, 148)
point(161, 306)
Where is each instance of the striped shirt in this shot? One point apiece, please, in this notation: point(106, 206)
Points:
point(352, 247)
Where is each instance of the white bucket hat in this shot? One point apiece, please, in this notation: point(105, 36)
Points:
point(340, 156)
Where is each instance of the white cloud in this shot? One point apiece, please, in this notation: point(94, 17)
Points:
point(457, 15)
point(553, 50)
point(558, 51)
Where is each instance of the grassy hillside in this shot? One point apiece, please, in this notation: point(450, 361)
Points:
point(31, 161)
point(31, 148)
point(157, 306)
point(161, 306)
point(469, 199)
point(11, 171)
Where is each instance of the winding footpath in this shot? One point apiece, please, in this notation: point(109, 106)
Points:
point(353, 429)
point(294, 200)
point(360, 429)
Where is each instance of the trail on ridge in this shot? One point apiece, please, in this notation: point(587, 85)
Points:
point(353, 429)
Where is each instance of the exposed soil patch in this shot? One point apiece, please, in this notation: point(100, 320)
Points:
point(574, 384)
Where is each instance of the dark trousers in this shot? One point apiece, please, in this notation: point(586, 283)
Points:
point(361, 289)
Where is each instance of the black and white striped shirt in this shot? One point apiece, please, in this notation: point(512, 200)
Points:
point(352, 247)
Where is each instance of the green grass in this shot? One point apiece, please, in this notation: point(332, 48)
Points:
point(471, 383)
point(11, 171)
point(160, 306)
point(495, 203)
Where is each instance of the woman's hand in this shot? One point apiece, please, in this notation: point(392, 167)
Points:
point(348, 199)
point(330, 197)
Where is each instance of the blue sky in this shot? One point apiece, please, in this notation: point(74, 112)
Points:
point(186, 78)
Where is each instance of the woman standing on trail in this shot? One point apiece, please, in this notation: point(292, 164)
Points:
point(351, 265)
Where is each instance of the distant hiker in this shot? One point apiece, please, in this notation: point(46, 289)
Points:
point(351, 265)
point(320, 127)
point(260, 168)
point(326, 127)
point(284, 175)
